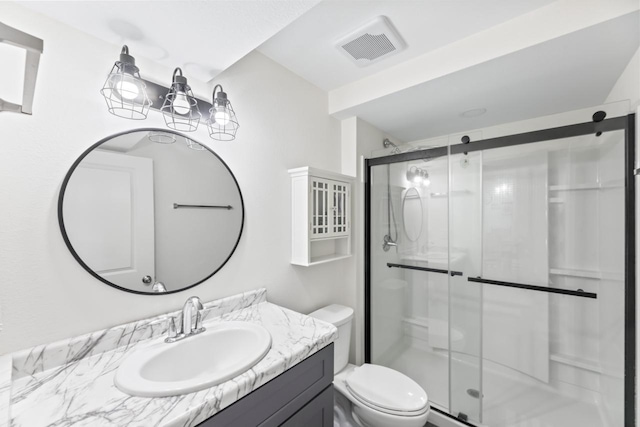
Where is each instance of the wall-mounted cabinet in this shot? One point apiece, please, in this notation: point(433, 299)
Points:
point(320, 216)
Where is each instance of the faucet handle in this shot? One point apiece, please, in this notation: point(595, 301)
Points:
point(172, 332)
point(197, 304)
point(198, 326)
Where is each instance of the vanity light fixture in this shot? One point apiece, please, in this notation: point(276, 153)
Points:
point(194, 145)
point(130, 96)
point(223, 123)
point(180, 107)
point(418, 176)
point(162, 137)
point(124, 90)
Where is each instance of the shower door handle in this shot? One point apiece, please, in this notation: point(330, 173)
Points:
point(427, 269)
point(578, 293)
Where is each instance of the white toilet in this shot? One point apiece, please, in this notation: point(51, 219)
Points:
point(379, 396)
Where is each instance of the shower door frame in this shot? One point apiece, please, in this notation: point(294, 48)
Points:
point(626, 123)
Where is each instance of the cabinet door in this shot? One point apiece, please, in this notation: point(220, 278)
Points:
point(340, 208)
point(319, 207)
point(317, 413)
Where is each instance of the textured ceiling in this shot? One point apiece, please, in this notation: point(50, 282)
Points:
point(307, 46)
point(568, 73)
point(202, 37)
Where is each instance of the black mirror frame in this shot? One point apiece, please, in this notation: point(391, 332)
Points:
point(85, 266)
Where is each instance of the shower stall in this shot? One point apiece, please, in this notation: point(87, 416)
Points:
point(499, 275)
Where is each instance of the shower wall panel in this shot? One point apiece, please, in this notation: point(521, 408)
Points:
point(516, 321)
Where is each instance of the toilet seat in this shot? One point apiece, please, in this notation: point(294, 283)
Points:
point(387, 391)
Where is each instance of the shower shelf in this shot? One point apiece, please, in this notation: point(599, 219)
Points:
point(451, 193)
point(577, 187)
point(587, 274)
point(578, 362)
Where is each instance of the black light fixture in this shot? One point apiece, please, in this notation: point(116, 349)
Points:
point(124, 90)
point(130, 96)
point(223, 123)
point(180, 107)
point(161, 137)
point(418, 176)
point(194, 145)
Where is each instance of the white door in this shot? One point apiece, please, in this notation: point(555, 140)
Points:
point(109, 217)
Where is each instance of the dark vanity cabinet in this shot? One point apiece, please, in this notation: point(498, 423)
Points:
point(300, 396)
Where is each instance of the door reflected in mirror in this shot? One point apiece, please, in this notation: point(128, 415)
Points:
point(151, 211)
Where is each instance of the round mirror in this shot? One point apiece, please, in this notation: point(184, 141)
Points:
point(412, 214)
point(150, 211)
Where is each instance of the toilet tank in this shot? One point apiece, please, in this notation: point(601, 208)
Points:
point(340, 316)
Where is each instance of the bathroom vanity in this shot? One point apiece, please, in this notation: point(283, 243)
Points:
point(71, 382)
point(302, 396)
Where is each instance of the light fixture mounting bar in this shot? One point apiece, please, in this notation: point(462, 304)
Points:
point(156, 94)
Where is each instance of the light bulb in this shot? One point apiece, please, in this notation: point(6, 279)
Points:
point(222, 116)
point(181, 104)
point(426, 182)
point(127, 90)
point(417, 179)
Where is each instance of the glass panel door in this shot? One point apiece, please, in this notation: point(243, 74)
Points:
point(319, 207)
point(465, 299)
point(409, 272)
point(340, 213)
point(544, 282)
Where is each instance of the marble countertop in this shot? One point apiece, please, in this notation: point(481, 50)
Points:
point(70, 383)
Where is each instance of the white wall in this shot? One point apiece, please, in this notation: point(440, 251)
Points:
point(628, 85)
point(359, 139)
point(44, 294)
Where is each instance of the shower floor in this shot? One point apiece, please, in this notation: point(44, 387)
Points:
point(508, 401)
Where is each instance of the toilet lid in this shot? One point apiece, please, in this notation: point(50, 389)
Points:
point(385, 388)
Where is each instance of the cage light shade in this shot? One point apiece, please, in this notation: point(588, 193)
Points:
point(194, 145)
point(223, 123)
point(124, 91)
point(161, 137)
point(180, 108)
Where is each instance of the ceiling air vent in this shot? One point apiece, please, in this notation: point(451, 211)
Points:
point(371, 43)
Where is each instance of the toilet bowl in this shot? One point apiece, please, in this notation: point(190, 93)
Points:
point(379, 396)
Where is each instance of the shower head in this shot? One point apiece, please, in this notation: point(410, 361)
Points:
point(387, 143)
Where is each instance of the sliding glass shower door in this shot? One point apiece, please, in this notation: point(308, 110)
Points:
point(418, 317)
point(465, 308)
point(500, 276)
point(552, 281)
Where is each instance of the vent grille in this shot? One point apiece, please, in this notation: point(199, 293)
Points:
point(372, 42)
point(369, 46)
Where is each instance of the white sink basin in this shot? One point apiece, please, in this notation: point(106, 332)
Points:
point(214, 356)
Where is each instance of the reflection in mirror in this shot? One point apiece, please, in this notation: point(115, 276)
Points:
point(150, 211)
point(412, 214)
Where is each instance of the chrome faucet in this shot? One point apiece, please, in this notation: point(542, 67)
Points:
point(388, 243)
point(187, 327)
